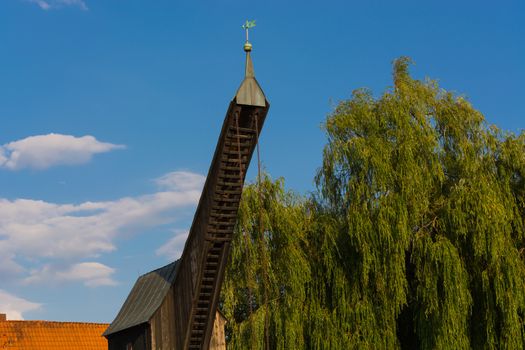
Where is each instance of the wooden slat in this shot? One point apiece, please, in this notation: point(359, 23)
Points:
point(231, 158)
point(235, 143)
point(228, 200)
point(233, 168)
point(242, 130)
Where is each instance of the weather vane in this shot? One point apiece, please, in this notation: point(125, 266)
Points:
point(247, 26)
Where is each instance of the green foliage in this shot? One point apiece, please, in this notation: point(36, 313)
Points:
point(415, 239)
point(279, 242)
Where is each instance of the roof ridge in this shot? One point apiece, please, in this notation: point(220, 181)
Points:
point(69, 322)
point(160, 268)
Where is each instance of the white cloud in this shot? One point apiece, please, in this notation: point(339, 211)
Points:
point(173, 248)
point(92, 274)
point(50, 4)
point(9, 269)
point(78, 3)
point(181, 181)
point(14, 306)
point(44, 5)
point(44, 151)
point(35, 230)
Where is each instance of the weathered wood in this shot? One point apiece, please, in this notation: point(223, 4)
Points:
point(187, 316)
point(234, 129)
point(206, 251)
point(137, 337)
point(218, 339)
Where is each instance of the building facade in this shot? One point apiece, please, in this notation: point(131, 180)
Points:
point(146, 320)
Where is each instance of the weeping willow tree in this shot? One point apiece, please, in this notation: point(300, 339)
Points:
point(415, 238)
point(266, 276)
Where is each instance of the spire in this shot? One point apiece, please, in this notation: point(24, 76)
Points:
point(250, 93)
point(248, 71)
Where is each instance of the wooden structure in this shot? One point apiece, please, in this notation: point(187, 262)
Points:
point(147, 319)
point(49, 335)
point(184, 312)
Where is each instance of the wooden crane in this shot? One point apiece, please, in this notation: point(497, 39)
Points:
point(174, 307)
point(203, 262)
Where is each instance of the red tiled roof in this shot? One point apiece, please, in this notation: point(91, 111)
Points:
point(45, 335)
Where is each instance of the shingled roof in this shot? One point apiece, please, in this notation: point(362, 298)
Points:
point(144, 299)
point(46, 335)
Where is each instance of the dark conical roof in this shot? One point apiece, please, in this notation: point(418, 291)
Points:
point(250, 93)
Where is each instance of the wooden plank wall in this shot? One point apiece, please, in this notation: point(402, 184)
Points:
point(137, 337)
point(163, 333)
point(163, 325)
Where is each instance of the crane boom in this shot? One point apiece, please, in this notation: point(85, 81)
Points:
point(203, 262)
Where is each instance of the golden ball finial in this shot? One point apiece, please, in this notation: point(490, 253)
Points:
point(247, 26)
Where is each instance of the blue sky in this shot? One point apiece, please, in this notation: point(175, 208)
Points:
point(111, 110)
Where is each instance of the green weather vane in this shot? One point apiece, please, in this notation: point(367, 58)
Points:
point(247, 26)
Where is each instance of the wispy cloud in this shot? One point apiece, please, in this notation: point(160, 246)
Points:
point(78, 3)
point(14, 306)
point(63, 235)
point(44, 151)
point(180, 181)
point(53, 4)
point(92, 274)
point(173, 248)
point(44, 5)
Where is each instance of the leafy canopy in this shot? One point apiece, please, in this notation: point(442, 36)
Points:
point(415, 238)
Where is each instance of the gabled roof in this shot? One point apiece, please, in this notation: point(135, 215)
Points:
point(144, 299)
point(45, 335)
